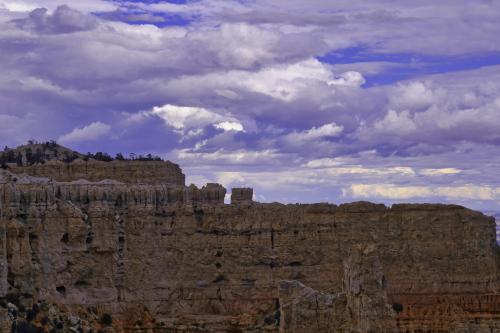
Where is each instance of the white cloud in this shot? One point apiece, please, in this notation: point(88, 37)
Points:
point(284, 82)
point(469, 192)
point(315, 133)
point(86, 6)
point(396, 123)
point(456, 111)
point(90, 132)
point(223, 156)
point(387, 191)
point(284, 180)
point(185, 119)
point(405, 171)
point(230, 126)
point(414, 95)
point(325, 163)
point(242, 44)
point(350, 78)
point(392, 191)
point(440, 172)
point(181, 117)
point(326, 130)
point(17, 6)
point(14, 128)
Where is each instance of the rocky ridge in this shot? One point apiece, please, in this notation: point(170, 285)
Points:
point(99, 251)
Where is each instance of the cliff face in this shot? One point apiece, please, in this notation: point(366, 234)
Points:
point(76, 256)
point(134, 172)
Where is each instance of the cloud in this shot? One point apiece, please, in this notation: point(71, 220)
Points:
point(445, 27)
point(185, 118)
point(403, 171)
point(392, 191)
point(454, 111)
point(396, 123)
point(324, 163)
point(327, 130)
point(236, 157)
point(297, 100)
point(440, 172)
point(324, 131)
point(92, 132)
point(350, 78)
point(414, 96)
point(469, 192)
point(284, 82)
point(230, 126)
point(387, 191)
point(87, 6)
point(62, 20)
point(14, 129)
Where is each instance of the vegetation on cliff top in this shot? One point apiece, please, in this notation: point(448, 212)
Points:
point(36, 152)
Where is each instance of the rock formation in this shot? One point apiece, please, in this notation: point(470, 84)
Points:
point(362, 306)
point(122, 255)
point(54, 164)
point(241, 195)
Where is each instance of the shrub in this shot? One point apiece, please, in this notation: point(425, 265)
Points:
point(397, 307)
point(106, 319)
point(30, 315)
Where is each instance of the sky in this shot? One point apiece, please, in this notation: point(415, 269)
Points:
point(303, 100)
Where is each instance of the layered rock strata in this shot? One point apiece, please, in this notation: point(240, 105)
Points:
point(131, 172)
point(109, 255)
point(241, 195)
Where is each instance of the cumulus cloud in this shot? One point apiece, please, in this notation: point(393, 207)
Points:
point(315, 133)
point(86, 6)
point(437, 28)
point(230, 126)
point(454, 111)
point(62, 20)
point(283, 82)
point(253, 91)
point(185, 118)
point(396, 123)
point(414, 96)
point(350, 78)
point(91, 132)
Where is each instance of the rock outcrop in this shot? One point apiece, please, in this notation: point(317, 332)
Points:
point(63, 165)
point(241, 195)
point(131, 172)
point(117, 255)
point(361, 306)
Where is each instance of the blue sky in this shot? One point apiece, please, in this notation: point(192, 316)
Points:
point(306, 101)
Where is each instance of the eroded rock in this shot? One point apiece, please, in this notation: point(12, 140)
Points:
point(168, 257)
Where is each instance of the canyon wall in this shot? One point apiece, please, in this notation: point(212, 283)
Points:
point(115, 256)
point(150, 172)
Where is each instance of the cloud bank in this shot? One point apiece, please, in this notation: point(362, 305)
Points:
point(305, 102)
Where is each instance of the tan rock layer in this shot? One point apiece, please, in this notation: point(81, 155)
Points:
point(151, 172)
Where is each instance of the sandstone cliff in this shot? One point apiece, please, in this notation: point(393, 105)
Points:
point(111, 255)
point(62, 164)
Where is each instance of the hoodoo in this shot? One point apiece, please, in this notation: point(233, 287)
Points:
point(90, 244)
